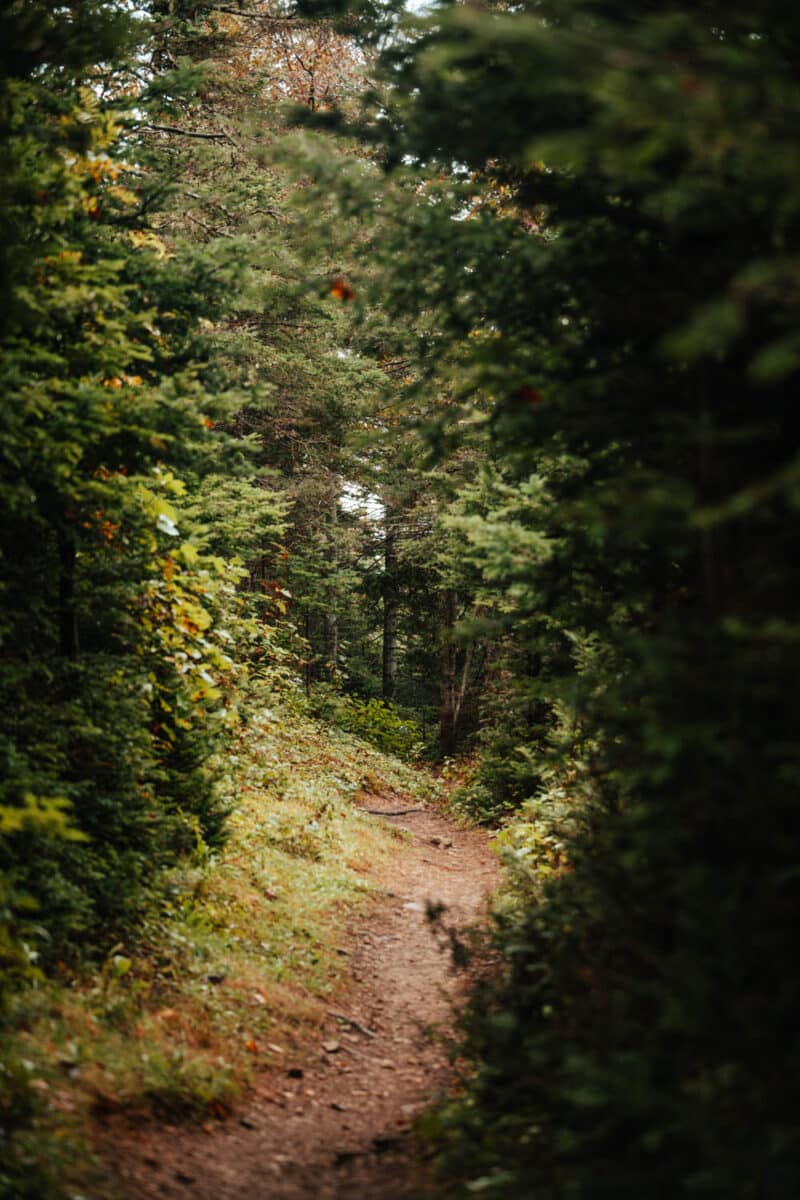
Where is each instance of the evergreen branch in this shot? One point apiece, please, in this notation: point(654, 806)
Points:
point(254, 16)
point(210, 137)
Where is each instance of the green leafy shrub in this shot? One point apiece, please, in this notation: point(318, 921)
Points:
point(381, 724)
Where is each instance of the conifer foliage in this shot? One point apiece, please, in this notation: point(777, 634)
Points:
point(609, 257)
point(115, 655)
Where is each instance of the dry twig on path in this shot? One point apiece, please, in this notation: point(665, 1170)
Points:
point(352, 1021)
point(391, 812)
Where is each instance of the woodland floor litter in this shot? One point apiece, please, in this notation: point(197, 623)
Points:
point(336, 1119)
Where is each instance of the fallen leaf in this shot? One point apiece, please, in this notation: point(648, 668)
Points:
point(341, 290)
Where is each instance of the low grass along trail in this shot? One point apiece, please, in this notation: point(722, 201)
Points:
point(335, 1119)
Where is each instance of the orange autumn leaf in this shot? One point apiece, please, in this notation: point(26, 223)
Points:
point(341, 290)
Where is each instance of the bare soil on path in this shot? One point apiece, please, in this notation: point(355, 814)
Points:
point(336, 1120)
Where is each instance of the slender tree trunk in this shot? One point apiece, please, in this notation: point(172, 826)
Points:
point(308, 653)
point(448, 715)
point(67, 609)
point(391, 608)
point(331, 616)
point(331, 642)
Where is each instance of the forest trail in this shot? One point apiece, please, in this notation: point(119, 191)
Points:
point(335, 1121)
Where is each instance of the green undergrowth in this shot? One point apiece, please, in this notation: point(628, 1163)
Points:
point(392, 730)
point(233, 971)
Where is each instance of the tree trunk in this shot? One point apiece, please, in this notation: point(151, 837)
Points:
point(391, 607)
point(448, 715)
point(331, 615)
point(67, 609)
point(308, 652)
point(331, 642)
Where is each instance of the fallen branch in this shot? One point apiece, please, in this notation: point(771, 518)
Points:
point(348, 1049)
point(352, 1021)
point(391, 812)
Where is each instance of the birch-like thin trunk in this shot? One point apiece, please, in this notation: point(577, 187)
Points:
point(448, 714)
point(391, 608)
point(331, 616)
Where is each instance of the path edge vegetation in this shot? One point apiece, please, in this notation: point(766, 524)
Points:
point(232, 970)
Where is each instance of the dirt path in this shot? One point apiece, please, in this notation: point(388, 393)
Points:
point(339, 1126)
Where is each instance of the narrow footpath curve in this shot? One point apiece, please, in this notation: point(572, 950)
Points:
point(340, 1126)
